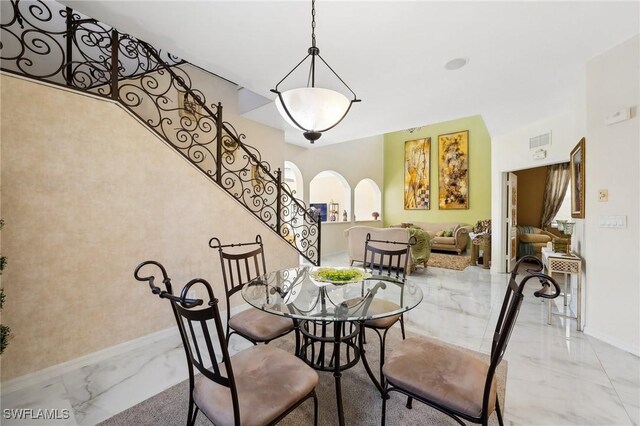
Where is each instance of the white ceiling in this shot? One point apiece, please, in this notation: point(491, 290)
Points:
point(525, 58)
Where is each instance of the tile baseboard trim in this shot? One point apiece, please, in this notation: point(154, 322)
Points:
point(49, 373)
point(57, 370)
point(612, 341)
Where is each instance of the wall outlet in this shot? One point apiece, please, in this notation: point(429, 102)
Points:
point(603, 195)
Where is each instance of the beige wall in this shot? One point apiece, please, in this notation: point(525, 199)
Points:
point(354, 160)
point(87, 194)
point(510, 152)
point(612, 160)
point(611, 256)
point(531, 195)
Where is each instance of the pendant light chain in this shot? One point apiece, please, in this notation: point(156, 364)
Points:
point(313, 23)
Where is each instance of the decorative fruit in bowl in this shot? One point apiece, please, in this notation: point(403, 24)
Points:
point(339, 275)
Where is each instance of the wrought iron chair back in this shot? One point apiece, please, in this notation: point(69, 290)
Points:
point(504, 327)
point(238, 268)
point(193, 323)
point(376, 258)
point(513, 300)
point(507, 320)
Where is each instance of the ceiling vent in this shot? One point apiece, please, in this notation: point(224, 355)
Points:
point(540, 141)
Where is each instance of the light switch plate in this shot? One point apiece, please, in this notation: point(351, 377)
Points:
point(603, 195)
point(613, 221)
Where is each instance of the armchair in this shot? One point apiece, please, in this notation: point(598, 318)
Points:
point(531, 240)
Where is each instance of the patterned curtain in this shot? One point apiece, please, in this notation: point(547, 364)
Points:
point(554, 192)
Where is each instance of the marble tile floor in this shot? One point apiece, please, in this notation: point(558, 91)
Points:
point(556, 375)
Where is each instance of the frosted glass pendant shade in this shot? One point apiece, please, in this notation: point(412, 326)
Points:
point(314, 109)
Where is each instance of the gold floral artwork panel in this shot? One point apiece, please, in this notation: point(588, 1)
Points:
point(453, 171)
point(416, 174)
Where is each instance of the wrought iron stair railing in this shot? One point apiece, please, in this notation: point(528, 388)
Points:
point(49, 42)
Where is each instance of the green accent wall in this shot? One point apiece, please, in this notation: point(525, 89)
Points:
point(479, 174)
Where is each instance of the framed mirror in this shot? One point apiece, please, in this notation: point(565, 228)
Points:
point(576, 170)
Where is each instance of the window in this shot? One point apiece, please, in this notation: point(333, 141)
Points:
point(565, 209)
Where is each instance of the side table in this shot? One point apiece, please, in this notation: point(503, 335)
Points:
point(566, 265)
point(481, 242)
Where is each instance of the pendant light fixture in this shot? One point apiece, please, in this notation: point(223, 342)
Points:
point(312, 109)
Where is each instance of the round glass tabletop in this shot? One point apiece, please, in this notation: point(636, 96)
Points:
point(297, 293)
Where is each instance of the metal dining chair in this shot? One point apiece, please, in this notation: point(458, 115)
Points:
point(257, 386)
point(386, 258)
point(449, 378)
point(240, 263)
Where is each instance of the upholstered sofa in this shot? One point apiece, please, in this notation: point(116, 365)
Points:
point(356, 236)
point(458, 240)
point(531, 240)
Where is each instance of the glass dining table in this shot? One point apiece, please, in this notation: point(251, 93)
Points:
point(329, 316)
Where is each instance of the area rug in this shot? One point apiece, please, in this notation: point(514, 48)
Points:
point(361, 400)
point(449, 261)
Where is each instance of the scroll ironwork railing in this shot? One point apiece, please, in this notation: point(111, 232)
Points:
point(46, 41)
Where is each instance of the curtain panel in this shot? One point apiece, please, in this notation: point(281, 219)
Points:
point(555, 189)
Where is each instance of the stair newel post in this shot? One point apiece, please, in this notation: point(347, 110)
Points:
point(115, 41)
point(319, 239)
point(69, 53)
point(279, 201)
point(219, 144)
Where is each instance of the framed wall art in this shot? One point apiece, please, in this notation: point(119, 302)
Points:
point(453, 171)
point(416, 174)
point(318, 211)
point(576, 170)
point(188, 107)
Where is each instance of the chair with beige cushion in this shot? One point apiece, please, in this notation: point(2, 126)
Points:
point(451, 379)
point(531, 240)
point(257, 386)
point(390, 262)
point(239, 266)
point(356, 236)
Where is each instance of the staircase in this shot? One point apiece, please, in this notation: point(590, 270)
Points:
point(49, 42)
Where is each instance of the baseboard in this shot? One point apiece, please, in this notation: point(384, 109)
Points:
point(54, 371)
point(42, 376)
point(612, 341)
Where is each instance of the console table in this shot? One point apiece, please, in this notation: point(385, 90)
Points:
point(564, 264)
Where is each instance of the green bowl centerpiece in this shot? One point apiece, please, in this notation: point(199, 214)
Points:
point(339, 275)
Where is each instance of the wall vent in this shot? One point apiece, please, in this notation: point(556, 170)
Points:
point(540, 141)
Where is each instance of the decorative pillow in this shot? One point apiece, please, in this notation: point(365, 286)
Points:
point(440, 234)
point(448, 233)
point(483, 226)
